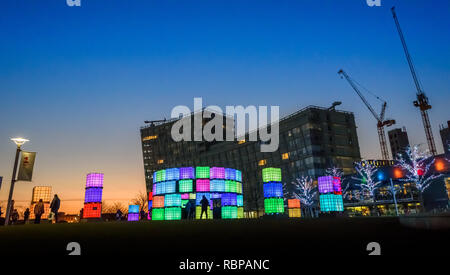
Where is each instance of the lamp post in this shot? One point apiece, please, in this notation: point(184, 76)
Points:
point(19, 142)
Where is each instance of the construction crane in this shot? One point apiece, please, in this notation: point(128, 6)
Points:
point(422, 99)
point(381, 123)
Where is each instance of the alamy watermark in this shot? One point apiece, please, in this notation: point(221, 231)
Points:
point(372, 3)
point(211, 123)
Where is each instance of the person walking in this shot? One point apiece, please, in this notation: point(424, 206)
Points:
point(14, 216)
point(188, 210)
point(26, 216)
point(205, 204)
point(38, 211)
point(54, 206)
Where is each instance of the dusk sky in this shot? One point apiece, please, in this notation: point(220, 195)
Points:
point(79, 81)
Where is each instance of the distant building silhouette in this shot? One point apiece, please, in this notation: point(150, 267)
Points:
point(445, 136)
point(398, 139)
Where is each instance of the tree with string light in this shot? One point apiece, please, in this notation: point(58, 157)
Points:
point(416, 164)
point(305, 191)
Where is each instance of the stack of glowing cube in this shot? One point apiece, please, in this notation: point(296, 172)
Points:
point(174, 187)
point(93, 196)
point(294, 208)
point(273, 191)
point(133, 213)
point(330, 194)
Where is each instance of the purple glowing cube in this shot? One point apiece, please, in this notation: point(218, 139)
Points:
point(94, 180)
point(229, 199)
point(133, 217)
point(93, 195)
point(187, 173)
point(325, 184)
point(217, 173)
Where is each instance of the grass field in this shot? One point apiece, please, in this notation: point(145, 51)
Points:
point(240, 238)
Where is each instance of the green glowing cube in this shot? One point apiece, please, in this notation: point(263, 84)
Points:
point(229, 212)
point(172, 213)
point(202, 172)
point(185, 186)
point(183, 203)
point(231, 186)
point(240, 212)
point(271, 174)
point(274, 205)
point(198, 211)
point(160, 175)
point(158, 214)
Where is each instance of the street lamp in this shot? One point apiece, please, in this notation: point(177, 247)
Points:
point(19, 142)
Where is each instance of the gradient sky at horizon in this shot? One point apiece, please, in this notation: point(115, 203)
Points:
point(80, 81)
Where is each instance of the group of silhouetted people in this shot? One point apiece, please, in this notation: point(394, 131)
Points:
point(39, 210)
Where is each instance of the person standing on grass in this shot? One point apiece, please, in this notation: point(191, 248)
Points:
point(26, 215)
point(54, 206)
point(38, 211)
point(142, 214)
point(119, 215)
point(188, 210)
point(205, 204)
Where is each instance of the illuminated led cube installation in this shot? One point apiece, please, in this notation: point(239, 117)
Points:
point(330, 194)
point(93, 195)
point(173, 187)
point(133, 217)
point(294, 212)
point(273, 191)
point(133, 209)
point(271, 174)
point(198, 211)
point(293, 203)
point(325, 184)
point(229, 212)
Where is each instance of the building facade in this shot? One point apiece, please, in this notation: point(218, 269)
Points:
point(445, 137)
point(398, 139)
point(310, 141)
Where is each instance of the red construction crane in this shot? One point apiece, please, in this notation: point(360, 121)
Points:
point(381, 123)
point(422, 99)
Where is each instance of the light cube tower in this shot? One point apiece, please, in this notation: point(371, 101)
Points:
point(133, 213)
point(273, 191)
point(174, 187)
point(150, 202)
point(44, 193)
point(330, 194)
point(93, 196)
point(294, 208)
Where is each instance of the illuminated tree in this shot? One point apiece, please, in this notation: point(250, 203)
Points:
point(141, 199)
point(305, 191)
point(416, 164)
point(368, 179)
point(334, 171)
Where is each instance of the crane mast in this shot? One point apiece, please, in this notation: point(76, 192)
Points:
point(422, 99)
point(381, 123)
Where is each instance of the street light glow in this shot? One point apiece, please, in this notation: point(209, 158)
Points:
point(19, 141)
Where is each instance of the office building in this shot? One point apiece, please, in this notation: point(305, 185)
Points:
point(445, 137)
point(398, 139)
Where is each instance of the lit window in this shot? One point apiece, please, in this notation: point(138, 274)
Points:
point(160, 161)
point(262, 162)
point(241, 141)
point(150, 137)
point(285, 156)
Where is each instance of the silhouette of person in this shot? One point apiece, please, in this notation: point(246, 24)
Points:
point(205, 204)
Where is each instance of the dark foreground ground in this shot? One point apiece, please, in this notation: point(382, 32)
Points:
point(279, 241)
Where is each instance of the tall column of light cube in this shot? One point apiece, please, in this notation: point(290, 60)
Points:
point(330, 191)
point(273, 191)
point(93, 196)
point(133, 213)
point(294, 209)
point(174, 187)
point(44, 193)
